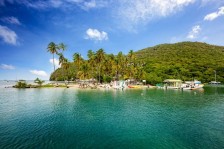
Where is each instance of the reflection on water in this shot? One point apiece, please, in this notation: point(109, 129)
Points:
point(151, 118)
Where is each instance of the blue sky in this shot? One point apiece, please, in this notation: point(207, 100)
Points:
point(26, 28)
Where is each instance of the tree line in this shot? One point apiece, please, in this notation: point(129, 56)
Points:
point(100, 66)
point(185, 61)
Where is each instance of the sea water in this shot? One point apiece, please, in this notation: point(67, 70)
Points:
point(149, 118)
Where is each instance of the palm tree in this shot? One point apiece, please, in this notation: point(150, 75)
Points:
point(131, 63)
point(131, 55)
point(140, 73)
point(62, 47)
point(91, 56)
point(120, 63)
point(38, 81)
point(62, 60)
point(116, 67)
point(113, 65)
point(108, 64)
point(52, 48)
point(83, 73)
point(65, 65)
point(100, 56)
point(77, 58)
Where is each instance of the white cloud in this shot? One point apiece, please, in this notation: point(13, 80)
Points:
point(95, 34)
point(142, 11)
point(36, 4)
point(39, 73)
point(2, 3)
point(56, 3)
point(8, 35)
point(86, 5)
point(89, 5)
point(11, 20)
point(7, 67)
point(40, 4)
point(75, 1)
point(214, 3)
point(45, 4)
point(215, 15)
point(56, 62)
point(194, 32)
point(205, 2)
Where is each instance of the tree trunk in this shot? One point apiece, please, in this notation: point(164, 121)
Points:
point(53, 62)
point(99, 74)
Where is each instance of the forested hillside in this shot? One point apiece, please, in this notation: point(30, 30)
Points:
point(185, 61)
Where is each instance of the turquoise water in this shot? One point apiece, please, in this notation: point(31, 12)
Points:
point(151, 118)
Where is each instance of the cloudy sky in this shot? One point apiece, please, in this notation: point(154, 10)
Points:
point(26, 28)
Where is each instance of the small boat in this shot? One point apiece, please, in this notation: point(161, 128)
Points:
point(215, 82)
point(150, 86)
point(197, 87)
point(134, 86)
point(192, 85)
point(130, 86)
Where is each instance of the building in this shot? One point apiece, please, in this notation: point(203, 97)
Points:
point(172, 83)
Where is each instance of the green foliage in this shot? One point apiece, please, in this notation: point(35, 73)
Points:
point(62, 73)
point(51, 85)
point(185, 61)
point(38, 81)
point(21, 84)
point(54, 48)
point(107, 79)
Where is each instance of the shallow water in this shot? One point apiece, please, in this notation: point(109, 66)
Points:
point(151, 118)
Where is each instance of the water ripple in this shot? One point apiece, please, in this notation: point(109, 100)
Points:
point(67, 118)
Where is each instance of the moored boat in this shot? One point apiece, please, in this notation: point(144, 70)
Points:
point(192, 85)
point(134, 86)
point(215, 82)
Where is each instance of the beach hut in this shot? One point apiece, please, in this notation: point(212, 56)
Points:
point(172, 83)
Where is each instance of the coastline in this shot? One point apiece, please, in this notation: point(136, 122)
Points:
point(90, 86)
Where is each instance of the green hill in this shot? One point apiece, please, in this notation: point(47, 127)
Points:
point(184, 60)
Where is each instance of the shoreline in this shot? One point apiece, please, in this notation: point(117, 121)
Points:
point(106, 86)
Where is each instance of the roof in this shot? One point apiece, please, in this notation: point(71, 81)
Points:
point(172, 80)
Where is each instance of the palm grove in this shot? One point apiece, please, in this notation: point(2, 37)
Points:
point(185, 61)
point(99, 65)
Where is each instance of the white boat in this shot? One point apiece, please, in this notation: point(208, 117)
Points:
point(215, 82)
point(192, 85)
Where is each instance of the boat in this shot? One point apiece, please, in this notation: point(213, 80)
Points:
point(192, 85)
point(215, 82)
point(150, 86)
point(134, 86)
